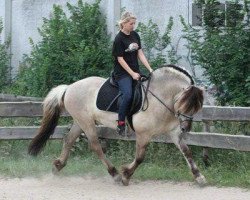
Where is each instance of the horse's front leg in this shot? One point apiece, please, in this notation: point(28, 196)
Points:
point(189, 158)
point(128, 170)
point(178, 141)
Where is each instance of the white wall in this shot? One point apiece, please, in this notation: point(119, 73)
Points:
point(160, 11)
point(27, 16)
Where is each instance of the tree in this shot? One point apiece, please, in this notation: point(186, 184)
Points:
point(223, 51)
point(158, 48)
point(4, 61)
point(71, 48)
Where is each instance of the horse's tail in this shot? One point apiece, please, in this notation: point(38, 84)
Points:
point(52, 107)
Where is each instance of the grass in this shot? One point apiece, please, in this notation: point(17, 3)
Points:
point(162, 162)
point(15, 162)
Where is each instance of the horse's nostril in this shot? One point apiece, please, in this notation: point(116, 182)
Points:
point(182, 129)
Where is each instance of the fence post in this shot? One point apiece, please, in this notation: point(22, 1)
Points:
point(115, 15)
point(206, 128)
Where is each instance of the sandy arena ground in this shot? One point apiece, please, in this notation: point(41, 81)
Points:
point(104, 188)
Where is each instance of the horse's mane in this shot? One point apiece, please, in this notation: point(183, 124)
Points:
point(192, 99)
point(182, 70)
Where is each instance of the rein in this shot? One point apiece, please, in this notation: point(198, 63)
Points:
point(146, 90)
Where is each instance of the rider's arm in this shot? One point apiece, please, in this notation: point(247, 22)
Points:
point(144, 60)
point(125, 66)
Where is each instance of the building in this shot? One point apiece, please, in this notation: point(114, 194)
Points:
point(21, 19)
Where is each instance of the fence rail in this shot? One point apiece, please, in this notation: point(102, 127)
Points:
point(205, 139)
point(14, 98)
point(208, 113)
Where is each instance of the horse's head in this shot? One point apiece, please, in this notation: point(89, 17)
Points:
point(187, 103)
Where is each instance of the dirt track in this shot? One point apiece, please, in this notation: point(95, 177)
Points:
point(89, 188)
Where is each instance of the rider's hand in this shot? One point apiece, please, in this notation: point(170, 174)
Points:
point(136, 76)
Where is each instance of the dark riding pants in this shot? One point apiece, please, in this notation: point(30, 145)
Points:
point(126, 88)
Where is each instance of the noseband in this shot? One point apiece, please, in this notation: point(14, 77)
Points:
point(183, 117)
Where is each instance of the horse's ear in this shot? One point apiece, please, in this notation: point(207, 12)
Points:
point(203, 92)
point(203, 89)
point(200, 94)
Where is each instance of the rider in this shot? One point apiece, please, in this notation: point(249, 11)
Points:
point(126, 51)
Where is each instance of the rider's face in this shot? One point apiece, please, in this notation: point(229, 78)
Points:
point(130, 25)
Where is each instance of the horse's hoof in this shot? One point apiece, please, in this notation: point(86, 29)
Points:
point(58, 165)
point(117, 178)
point(55, 171)
point(201, 180)
point(125, 181)
point(126, 174)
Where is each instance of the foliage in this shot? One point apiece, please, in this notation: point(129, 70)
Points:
point(223, 51)
point(4, 61)
point(156, 46)
point(71, 48)
point(75, 47)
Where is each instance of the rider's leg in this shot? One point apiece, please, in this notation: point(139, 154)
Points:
point(125, 86)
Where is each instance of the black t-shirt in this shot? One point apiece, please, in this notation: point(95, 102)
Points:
point(123, 46)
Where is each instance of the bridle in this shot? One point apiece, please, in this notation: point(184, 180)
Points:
point(180, 116)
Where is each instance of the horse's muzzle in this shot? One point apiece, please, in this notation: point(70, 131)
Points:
point(185, 126)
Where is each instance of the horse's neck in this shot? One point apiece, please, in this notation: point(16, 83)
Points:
point(167, 85)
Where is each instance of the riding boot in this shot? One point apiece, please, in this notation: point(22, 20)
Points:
point(121, 128)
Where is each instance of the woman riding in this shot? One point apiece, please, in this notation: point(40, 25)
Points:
point(126, 51)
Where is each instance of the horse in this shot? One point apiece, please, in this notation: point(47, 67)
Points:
point(172, 100)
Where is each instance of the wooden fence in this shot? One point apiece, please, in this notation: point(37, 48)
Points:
point(205, 138)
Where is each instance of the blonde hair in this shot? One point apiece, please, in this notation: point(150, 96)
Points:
point(126, 17)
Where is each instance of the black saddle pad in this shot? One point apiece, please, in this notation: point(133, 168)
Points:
point(108, 98)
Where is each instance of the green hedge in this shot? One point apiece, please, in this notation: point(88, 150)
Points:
point(71, 48)
point(4, 61)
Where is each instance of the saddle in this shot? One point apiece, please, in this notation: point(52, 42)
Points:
point(109, 98)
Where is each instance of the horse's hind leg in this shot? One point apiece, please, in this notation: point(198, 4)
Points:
point(128, 170)
point(178, 141)
point(68, 142)
point(90, 132)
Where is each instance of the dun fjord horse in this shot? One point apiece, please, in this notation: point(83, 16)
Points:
point(172, 101)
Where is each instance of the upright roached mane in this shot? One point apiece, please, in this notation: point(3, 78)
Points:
point(173, 100)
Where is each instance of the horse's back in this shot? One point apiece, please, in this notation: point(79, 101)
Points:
point(92, 81)
point(82, 94)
